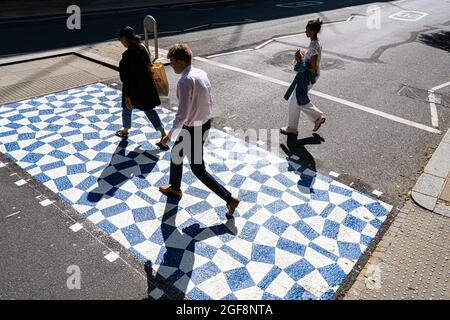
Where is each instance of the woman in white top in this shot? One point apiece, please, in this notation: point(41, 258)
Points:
point(312, 56)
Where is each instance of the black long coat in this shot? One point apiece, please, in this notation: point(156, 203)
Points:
point(137, 84)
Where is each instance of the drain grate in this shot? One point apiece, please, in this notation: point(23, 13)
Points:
point(424, 95)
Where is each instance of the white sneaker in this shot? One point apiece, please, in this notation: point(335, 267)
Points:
point(287, 130)
point(318, 123)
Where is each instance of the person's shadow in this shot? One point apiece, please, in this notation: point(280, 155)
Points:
point(303, 160)
point(175, 264)
point(122, 167)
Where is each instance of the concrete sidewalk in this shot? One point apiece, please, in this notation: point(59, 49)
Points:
point(432, 190)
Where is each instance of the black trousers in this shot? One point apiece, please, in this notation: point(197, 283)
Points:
point(190, 143)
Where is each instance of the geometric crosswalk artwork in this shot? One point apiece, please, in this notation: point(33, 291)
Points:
point(296, 233)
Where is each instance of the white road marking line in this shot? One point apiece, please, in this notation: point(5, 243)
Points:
point(377, 193)
point(375, 112)
point(433, 109)
point(265, 43)
point(76, 227)
point(197, 27)
point(227, 53)
point(46, 202)
point(440, 86)
point(21, 182)
point(325, 96)
point(260, 143)
point(433, 101)
point(253, 74)
point(2, 165)
point(13, 214)
point(334, 174)
point(112, 256)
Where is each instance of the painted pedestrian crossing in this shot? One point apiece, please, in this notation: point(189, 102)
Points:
point(296, 233)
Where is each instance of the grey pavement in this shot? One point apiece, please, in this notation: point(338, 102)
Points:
point(40, 252)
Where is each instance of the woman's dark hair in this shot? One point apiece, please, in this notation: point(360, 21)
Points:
point(315, 25)
point(129, 34)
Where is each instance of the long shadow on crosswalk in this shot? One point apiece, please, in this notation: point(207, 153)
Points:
point(175, 266)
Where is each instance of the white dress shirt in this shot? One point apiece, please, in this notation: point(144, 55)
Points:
point(194, 100)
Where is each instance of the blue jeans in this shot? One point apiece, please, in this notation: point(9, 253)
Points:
point(152, 115)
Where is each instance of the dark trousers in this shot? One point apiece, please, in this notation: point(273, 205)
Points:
point(190, 143)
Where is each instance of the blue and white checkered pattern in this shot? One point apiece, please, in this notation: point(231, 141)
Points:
point(296, 233)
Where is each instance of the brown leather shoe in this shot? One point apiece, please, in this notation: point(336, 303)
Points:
point(231, 207)
point(169, 191)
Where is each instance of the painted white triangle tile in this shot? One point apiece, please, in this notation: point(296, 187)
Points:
point(258, 270)
point(216, 287)
point(148, 249)
point(281, 285)
point(315, 222)
point(149, 227)
point(284, 259)
point(122, 220)
point(294, 235)
point(120, 237)
point(288, 215)
point(225, 261)
point(348, 235)
point(242, 246)
point(316, 259)
point(251, 293)
point(266, 237)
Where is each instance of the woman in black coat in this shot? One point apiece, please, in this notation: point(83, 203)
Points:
point(138, 90)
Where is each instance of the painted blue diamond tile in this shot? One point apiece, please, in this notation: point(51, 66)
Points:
point(299, 270)
point(276, 225)
point(333, 274)
point(66, 141)
point(291, 246)
point(349, 250)
point(239, 279)
point(350, 205)
point(354, 223)
point(269, 277)
point(261, 253)
point(133, 234)
point(204, 272)
point(197, 294)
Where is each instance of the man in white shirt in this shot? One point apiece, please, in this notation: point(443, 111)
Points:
point(192, 123)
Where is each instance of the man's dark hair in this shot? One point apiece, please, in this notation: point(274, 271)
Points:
point(180, 51)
